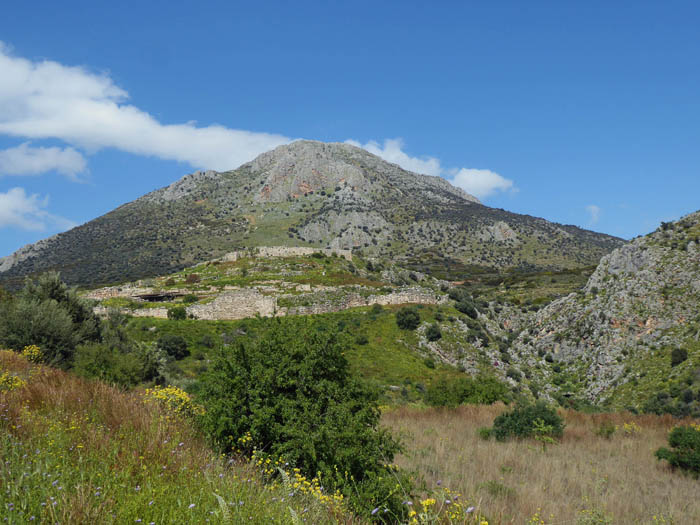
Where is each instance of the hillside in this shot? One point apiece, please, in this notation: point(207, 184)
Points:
point(630, 337)
point(306, 194)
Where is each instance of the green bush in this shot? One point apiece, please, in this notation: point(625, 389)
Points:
point(99, 360)
point(291, 391)
point(361, 339)
point(407, 318)
point(173, 345)
point(433, 332)
point(466, 306)
point(48, 314)
point(190, 298)
point(685, 449)
point(478, 390)
point(520, 422)
point(177, 313)
point(678, 355)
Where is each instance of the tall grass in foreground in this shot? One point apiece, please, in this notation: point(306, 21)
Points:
point(602, 471)
point(77, 451)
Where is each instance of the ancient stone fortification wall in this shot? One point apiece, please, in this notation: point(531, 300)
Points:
point(240, 304)
point(285, 251)
point(160, 313)
point(405, 296)
point(237, 304)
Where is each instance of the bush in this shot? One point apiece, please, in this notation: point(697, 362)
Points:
point(291, 391)
point(48, 314)
point(99, 360)
point(361, 339)
point(520, 422)
point(478, 390)
point(192, 278)
point(177, 313)
point(466, 306)
point(678, 355)
point(685, 451)
point(407, 318)
point(433, 332)
point(190, 298)
point(174, 346)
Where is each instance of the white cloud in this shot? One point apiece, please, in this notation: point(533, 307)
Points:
point(41, 100)
point(392, 151)
point(480, 183)
point(28, 212)
point(47, 100)
point(27, 160)
point(594, 212)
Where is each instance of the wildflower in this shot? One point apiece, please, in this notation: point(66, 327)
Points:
point(191, 505)
point(375, 511)
point(470, 510)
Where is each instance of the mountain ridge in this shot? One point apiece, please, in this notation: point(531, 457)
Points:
point(304, 194)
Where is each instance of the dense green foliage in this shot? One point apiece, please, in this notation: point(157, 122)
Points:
point(292, 393)
point(48, 314)
point(477, 390)
point(433, 333)
point(522, 420)
point(685, 449)
point(178, 313)
point(407, 318)
point(117, 358)
point(173, 345)
point(678, 355)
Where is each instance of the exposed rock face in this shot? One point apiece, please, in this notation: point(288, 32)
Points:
point(634, 300)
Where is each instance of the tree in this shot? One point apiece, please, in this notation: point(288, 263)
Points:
point(407, 318)
point(291, 391)
point(48, 314)
point(678, 355)
point(173, 345)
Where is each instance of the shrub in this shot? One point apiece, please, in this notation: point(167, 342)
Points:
point(478, 390)
point(433, 332)
point(192, 278)
point(361, 339)
point(520, 421)
point(48, 314)
point(685, 449)
point(466, 306)
point(190, 298)
point(606, 430)
point(108, 363)
point(407, 318)
point(173, 345)
point(291, 391)
point(177, 313)
point(678, 355)
point(514, 374)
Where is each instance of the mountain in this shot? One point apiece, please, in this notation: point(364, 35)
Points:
point(630, 337)
point(306, 194)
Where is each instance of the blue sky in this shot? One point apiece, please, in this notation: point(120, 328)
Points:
point(584, 113)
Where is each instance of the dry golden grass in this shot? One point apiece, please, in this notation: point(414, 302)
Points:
point(618, 477)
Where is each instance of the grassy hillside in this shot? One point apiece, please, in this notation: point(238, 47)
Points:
point(77, 451)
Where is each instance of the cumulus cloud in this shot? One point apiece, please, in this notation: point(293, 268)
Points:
point(45, 99)
point(28, 160)
point(392, 151)
point(28, 212)
point(594, 212)
point(480, 183)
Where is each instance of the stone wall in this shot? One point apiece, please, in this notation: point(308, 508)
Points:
point(240, 304)
point(405, 296)
point(285, 251)
point(237, 304)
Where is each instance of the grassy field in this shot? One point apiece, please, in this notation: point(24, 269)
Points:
point(82, 452)
point(585, 479)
